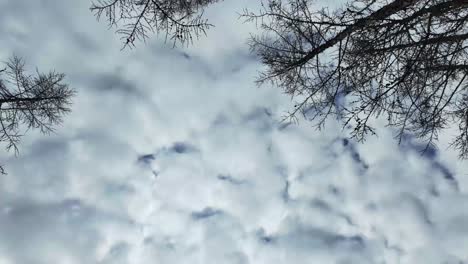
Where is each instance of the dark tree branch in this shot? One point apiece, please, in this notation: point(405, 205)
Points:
point(27, 101)
point(404, 60)
point(180, 20)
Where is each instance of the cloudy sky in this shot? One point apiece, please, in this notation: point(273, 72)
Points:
point(175, 156)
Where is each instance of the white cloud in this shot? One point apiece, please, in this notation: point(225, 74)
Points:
point(174, 156)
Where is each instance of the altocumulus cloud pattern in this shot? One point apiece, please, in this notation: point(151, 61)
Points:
point(174, 156)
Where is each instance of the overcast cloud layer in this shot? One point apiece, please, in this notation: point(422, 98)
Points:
point(174, 156)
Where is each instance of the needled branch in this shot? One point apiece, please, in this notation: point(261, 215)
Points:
point(403, 60)
point(30, 102)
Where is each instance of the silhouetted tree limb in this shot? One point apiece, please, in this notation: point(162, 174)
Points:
point(30, 102)
point(180, 20)
point(405, 60)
